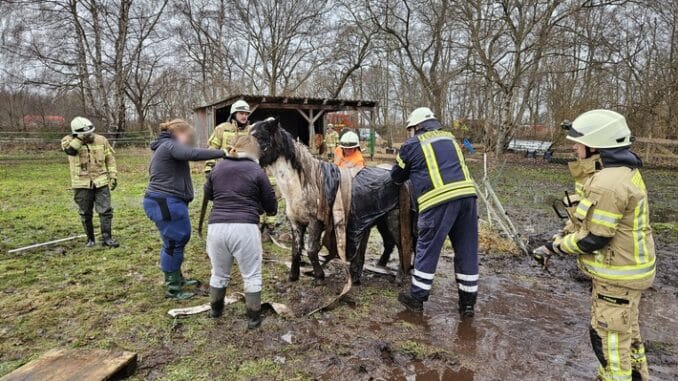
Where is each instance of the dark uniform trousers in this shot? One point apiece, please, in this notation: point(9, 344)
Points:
point(98, 199)
point(458, 220)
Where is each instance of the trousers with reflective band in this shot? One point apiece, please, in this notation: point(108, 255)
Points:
point(457, 220)
point(437, 147)
point(615, 333)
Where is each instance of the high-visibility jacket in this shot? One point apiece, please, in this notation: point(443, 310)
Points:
point(331, 140)
point(615, 205)
point(353, 160)
point(581, 170)
point(222, 138)
point(94, 163)
point(434, 163)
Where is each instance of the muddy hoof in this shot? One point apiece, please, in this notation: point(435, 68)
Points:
point(293, 277)
point(319, 275)
point(356, 282)
point(382, 263)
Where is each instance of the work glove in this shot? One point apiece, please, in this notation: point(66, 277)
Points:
point(114, 183)
point(75, 143)
point(542, 254)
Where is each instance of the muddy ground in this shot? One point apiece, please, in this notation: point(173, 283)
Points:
point(530, 324)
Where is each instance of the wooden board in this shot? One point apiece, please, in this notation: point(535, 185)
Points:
point(72, 365)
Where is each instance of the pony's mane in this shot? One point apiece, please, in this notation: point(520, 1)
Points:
point(300, 158)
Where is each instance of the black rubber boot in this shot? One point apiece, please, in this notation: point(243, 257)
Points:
point(173, 283)
point(410, 301)
point(89, 230)
point(217, 301)
point(106, 238)
point(467, 302)
point(253, 301)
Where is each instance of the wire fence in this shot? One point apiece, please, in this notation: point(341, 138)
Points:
point(37, 139)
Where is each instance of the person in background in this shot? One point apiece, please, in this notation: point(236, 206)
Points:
point(236, 125)
point(612, 240)
point(168, 194)
point(348, 154)
point(331, 140)
point(432, 160)
point(240, 192)
point(93, 177)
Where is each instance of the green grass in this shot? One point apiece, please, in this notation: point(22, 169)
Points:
point(69, 296)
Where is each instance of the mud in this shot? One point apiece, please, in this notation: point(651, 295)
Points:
point(530, 324)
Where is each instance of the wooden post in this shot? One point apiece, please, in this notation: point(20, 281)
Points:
point(311, 119)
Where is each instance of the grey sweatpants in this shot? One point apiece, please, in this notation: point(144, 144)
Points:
point(242, 242)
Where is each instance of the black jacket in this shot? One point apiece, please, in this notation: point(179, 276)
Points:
point(170, 172)
point(240, 191)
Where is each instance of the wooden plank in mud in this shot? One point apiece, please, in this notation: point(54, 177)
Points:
point(72, 365)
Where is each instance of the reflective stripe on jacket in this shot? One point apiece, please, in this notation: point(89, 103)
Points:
point(94, 165)
point(222, 138)
point(615, 206)
point(433, 161)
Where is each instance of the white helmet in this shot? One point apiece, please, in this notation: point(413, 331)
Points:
point(600, 129)
point(240, 106)
point(80, 125)
point(419, 115)
point(349, 140)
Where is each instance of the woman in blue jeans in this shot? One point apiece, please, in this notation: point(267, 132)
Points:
point(169, 191)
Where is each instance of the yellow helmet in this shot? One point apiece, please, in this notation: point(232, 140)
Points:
point(240, 106)
point(349, 140)
point(600, 129)
point(419, 115)
point(80, 125)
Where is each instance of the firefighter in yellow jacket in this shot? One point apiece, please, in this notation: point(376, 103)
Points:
point(93, 176)
point(613, 242)
point(224, 134)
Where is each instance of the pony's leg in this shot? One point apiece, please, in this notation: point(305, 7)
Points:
point(358, 259)
point(298, 231)
point(315, 230)
point(385, 228)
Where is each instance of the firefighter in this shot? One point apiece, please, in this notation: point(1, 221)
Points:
point(581, 170)
point(93, 177)
point(613, 243)
point(224, 133)
point(331, 139)
point(446, 199)
point(348, 153)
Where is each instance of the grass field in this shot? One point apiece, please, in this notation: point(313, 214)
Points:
point(73, 297)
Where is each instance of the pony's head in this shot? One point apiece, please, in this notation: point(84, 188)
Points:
point(274, 143)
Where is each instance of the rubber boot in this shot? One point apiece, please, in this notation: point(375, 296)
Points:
point(106, 238)
point(410, 301)
point(189, 282)
point(173, 285)
point(253, 302)
point(217, 301)
point(89, 230)
point(467, 302)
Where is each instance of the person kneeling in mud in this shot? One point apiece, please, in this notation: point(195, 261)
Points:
point(240, 192)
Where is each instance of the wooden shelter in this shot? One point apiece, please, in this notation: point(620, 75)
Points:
point(303, 117)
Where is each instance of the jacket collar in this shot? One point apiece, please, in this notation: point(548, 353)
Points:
point(620, 157)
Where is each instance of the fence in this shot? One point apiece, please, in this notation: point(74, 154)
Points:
point(38, 139)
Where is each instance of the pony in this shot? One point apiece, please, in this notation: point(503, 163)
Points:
point(309, 187)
